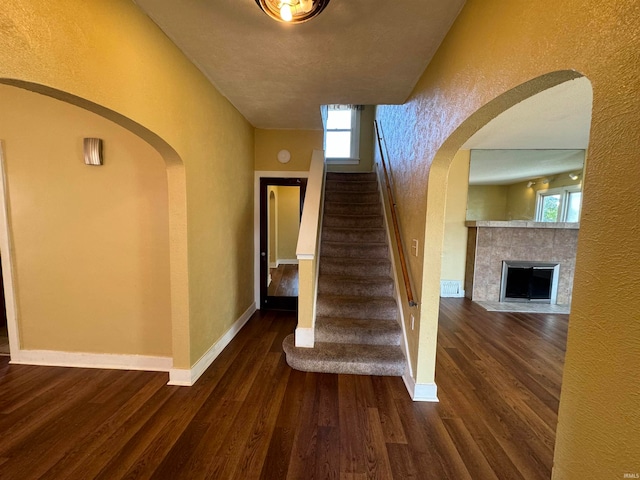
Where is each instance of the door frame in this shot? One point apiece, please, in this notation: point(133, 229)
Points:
point(266, 302)
point(257, 175)
point(7, 261)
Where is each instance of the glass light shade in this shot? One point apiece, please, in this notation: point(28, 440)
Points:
point(292, 11)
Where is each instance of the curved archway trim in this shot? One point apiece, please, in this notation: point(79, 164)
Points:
point(177, 215)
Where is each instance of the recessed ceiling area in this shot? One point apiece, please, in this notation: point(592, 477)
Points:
point(543, 135)
point(277, 75)
point(505, 167)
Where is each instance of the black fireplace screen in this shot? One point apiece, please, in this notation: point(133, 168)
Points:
point(531, 283)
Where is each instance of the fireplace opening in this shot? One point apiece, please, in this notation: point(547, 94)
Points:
point(529, 282)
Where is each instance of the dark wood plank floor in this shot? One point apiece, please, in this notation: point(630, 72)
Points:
point(251, 417)
point(284, 281)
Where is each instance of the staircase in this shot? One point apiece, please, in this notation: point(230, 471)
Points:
point(357, 329)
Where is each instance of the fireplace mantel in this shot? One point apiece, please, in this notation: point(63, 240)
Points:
point(492, 242)
point(521, 224)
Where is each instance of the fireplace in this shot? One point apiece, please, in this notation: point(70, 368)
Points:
point(529, 282)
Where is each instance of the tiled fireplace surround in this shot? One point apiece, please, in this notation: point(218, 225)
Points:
point(491, 242)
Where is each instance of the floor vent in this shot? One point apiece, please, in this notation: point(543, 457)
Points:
point(451, 288)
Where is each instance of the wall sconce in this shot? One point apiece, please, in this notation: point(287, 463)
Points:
point(574, 176)
point(93, 151)
point(530, 184)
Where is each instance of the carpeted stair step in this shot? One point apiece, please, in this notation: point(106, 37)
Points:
point(351, 197)
point(351, 186)
point(375, 308)
point(352, 176)
point(354, 266)
point(356, 285)
point(353, 221)
point(339, 208)
point(350, 250)
point(345, 358)
point(358, 235)
point(357, 331)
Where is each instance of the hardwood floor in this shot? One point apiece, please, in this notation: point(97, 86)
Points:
point(251, 417)
point(284, 281)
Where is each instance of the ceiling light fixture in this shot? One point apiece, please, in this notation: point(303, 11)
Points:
point(530, 184)
point(292, 11)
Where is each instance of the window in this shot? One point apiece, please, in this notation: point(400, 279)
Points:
point(559, 205)
point(342, 134)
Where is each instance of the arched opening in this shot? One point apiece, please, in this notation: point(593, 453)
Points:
point(436, 207)
point(177, 351)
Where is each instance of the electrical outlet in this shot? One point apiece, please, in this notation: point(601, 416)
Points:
point(413, 322)
point(414, 247)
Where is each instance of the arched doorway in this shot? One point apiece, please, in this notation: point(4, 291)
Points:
point(176, 246)
point(436, 208)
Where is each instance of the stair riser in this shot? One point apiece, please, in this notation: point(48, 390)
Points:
point(344, 287)
point(351, 187)
point(353, 251)
point(328, 267)
point(347, 336)
point(371, 311)
point(353, 198)
point(355, 235)
point(348, 177)
point(336, 208)
point(355, 221)
point(339, 367)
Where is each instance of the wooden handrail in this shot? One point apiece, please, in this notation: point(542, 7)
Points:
point(394, 217)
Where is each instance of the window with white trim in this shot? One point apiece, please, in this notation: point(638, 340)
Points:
point(342, 133)
point(559, 204)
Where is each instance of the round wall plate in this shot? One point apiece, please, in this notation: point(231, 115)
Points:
point(284, 156)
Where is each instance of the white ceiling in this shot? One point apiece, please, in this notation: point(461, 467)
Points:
point(277, 75)
point(557, 120)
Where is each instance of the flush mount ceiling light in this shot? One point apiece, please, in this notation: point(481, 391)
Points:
point(292, 11)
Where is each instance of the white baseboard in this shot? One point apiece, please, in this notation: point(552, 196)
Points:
point(305, 337)
point(188, 377)
point(287, 261)
point(421, 392)
point(51, 358)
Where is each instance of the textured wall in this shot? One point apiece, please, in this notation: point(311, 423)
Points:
point(112, 58)
point(300, 143)
point(90, 244)
point(498, 53)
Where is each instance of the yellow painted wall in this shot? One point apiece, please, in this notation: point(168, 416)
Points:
point(288, 221)
point(487, 202)
point(454, 250)
point(497, 53)
point(111, 58)
point(521, 200)
point(300, 143)
point(91, 244)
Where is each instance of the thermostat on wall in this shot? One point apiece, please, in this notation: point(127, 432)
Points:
point(284, 156)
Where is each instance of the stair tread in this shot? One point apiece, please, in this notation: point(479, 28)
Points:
point(363, 279)
point(359, 244)
point(356, 299)
point(359, 323)
point(346, 358)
